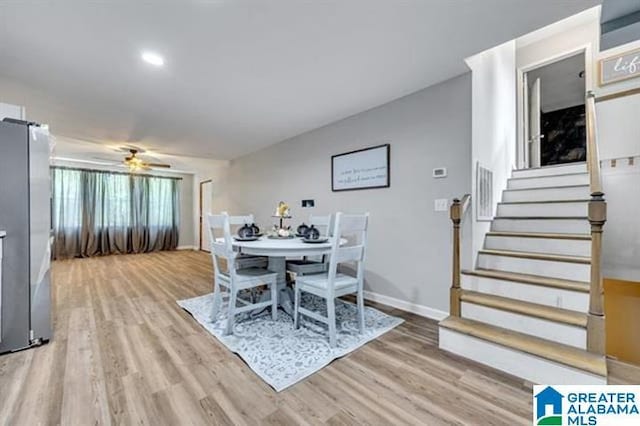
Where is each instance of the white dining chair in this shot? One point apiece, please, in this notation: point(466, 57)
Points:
point(235, 279)
point(316, 264)
point(332, 284)
point(322, 222)
point(246, 260)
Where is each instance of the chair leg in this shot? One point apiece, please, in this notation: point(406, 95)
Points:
point(274, 300)
point(360, 298)
point(232, 310)
point(296, 312)
point(217, 300)
point(331, 316)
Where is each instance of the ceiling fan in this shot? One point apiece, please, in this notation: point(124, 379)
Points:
point(134, 163)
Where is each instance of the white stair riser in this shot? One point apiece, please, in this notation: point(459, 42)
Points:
point(540, 245)
point(559, 226)
point(546, 268)
point(530, 367)
point(547, 194)
point(548, 181)
point(554, 331)
point(543, 209)
point(551, 171)
point(550, 296)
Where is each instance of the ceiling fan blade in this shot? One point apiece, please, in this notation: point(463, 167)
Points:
point(166, 166)
point(129, 148)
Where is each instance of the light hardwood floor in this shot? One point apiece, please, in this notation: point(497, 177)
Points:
point(125, 353)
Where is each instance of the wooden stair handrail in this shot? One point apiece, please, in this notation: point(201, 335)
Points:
point(597, 217)
point(456, 212)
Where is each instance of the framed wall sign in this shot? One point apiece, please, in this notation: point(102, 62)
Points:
point(620, 67)
point(362, 169)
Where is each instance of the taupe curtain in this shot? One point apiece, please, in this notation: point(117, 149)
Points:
point(99, 212)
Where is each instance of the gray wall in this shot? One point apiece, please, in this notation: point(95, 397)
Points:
point(409, 255)
point(188, 230)
point(620, 23)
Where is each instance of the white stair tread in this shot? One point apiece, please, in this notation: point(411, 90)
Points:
point(577, 200)
point(543, 217)
point(537, 256)
point(553, 351)
point(550, 235)
point(559, 193)
point(545, 188)
point(554, 170)
point(521, 307)
point(579, 286)
point(551, 176)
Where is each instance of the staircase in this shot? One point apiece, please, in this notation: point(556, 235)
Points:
point(524, 308)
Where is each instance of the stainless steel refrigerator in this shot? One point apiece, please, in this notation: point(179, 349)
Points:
point(25, 216)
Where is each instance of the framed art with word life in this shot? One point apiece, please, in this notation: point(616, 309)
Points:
point(620, 67)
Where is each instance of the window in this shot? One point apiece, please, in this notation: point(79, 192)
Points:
point(98, 212)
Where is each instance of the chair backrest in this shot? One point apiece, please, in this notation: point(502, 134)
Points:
point(241, 220)
point(322, 223)
point(221, 247)
point(349, 225)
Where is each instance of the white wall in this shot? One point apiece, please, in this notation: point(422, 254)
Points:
point(409, 255)
point(619, 139)
point(621, 237)
point(619, 127)
point(494, 124)
point(11, 111)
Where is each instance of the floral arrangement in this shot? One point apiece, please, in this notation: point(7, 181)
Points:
point(277, 232)
point(282, 210)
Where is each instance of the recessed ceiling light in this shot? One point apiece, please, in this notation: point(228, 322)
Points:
point(153, 58)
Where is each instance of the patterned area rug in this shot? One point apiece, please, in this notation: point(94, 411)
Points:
point(282, 355)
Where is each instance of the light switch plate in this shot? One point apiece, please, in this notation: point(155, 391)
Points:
point(441, 205)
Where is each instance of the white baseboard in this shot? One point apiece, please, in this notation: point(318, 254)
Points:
point(186, 248)
point(423, 311)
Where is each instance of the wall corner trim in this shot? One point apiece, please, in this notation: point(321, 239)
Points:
point(423, 311)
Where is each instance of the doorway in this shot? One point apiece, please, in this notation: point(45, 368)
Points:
point(206, 198)
point(554, 112)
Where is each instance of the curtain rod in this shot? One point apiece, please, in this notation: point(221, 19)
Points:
point(80, 169)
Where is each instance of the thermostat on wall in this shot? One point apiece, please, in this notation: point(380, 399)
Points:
point(440, 172)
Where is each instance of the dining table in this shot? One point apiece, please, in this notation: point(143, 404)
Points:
point(278, 250)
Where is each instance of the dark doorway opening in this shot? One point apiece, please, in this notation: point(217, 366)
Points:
point(565, 136)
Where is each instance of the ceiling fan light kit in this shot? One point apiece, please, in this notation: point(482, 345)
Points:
point(134, 163)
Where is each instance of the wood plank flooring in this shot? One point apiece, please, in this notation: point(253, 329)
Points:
point(125, 353)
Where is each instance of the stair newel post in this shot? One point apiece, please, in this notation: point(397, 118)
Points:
point(455, 214)
point(595, 322)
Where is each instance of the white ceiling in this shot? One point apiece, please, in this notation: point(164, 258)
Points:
point(239, 74)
